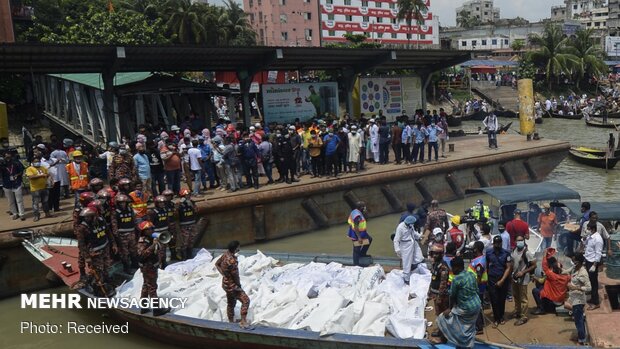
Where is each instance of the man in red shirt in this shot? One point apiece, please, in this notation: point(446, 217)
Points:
point(517, 227)
point(552, 293)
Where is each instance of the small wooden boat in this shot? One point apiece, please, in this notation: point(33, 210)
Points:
point(506, 113)
point(601, 124)
point(565, 116)
point(596, 151)
point(593, 160)
point(477, 115)
point(454, 121)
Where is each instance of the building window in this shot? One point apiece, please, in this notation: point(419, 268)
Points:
point(379, 19)
point(331, 33)
point(364, 3)
point(393, 20)
point(380, 35)
point(365, 19)
point(422, 36)
point(282, 2)
point(574, 7)
point(486, 13)
point(473, 42)
point(308, 34)
point(348, 18)
point(486, 5)
point(392, 5)
point(347, 2)
point(331, 2)
point(493, 41)
point(393, 35)
point(377, 4)
point(330, 16)
point(260, 17)
point(366, 34)
point(307, 16)
point(505, 41)
point(477, 8)
point(284, 36)
point(484, 42)
point(463, 43)
point(251, 3)
point(597, 24)
point(283, 19)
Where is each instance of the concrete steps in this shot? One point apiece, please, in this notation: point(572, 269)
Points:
point(506, 96)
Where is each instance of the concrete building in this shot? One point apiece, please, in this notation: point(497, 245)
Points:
point(284, 22)
point(578, 9)
point(613, 21)
point(481, 9)
point(488, 37)
point(376, 19)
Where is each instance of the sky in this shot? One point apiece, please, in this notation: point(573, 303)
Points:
point(532, 10)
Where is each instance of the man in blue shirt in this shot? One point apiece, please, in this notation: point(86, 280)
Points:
point(499, 266)
point(207, 164)
point(419, 136)
point(143, 167)
point(433, 136)
point(331, 141)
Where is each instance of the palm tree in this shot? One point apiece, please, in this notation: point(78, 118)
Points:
point(552, 54)
point(239, 31)
point(152, 9)
point(466, 20)
point(589, 55)
point(185, 21)
point(410, 10)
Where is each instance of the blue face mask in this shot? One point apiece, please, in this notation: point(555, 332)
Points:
point(520, 244)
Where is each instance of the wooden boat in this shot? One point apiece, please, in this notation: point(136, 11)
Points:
point(593, 160)
point(600, 124)
point(538, 120)
point(454, 121)
point(596, 151)
point(565, 116)
point(506, 113)
point(477, 115)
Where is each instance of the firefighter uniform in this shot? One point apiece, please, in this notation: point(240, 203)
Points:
point(187, 221)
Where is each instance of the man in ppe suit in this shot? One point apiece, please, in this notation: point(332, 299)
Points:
point(407, 247)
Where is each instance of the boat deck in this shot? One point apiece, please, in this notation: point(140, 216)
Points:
point(468, 147)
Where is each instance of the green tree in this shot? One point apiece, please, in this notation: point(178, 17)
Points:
point(355, 41)
point(526, 69)
point(410, 10)
point(97, 26)
point(589, 55)
point(552, 55)
point(185, 21)
point(517, 45)
point(465, 20)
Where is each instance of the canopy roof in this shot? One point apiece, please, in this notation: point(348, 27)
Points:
point(69, 58)
point(606, 210)
point(512, 194)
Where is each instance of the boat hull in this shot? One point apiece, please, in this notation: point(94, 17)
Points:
point(477, 116)
point(454, 121)
point(570, 117)
point(592, 160)
point(600, 124)
point(596, 151)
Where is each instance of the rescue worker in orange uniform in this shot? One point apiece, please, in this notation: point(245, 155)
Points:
point(161, 221)
point(78, 175)
point(187, 222)
point(139, 202)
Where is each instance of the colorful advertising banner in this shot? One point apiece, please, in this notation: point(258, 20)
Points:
point(392, 95)
point(284, 103)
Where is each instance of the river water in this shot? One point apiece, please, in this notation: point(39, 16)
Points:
point(593, 184)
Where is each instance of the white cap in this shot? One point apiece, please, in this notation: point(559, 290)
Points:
point(41, 146)
point(252, 128)
point(437, 231)
point(291, 127)
point(257, 125)
point(175, 128)
point(353, 127)
point(372, 120)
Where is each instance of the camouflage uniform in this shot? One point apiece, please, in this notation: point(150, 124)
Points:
point(228, 266)
point(122, 167)
point(160, 219)
point(76, 231)
point(172, 228)
point(123, 229)
point(187, 222)
point(149, 262)
point(93, 241)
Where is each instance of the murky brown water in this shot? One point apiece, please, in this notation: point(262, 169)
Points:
point(593, 184)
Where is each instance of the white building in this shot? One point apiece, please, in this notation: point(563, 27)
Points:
point(578, 9)
point(376, 19)
point(481, 9)
point(484, 43)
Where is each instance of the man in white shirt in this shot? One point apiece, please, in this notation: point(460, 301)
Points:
point(407, 247)
point(491, 124)
point(374, 140)
point(593, 252)
point(600, 228)
point(195, 165)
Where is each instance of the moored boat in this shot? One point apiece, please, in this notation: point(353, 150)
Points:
point(506, 113)
point(600, 124)
point(477, 115)
point(454, 121)
point(593, 160)
point(553, 115)
point(596, 151)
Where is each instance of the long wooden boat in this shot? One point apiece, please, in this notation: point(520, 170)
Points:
point(506, 113)
point(454, 121)
point(477, 116)
point(596, 151)
point(601, 124)
point(593, 160)
point(553, 115)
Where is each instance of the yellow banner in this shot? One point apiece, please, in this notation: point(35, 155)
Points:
point(526, 106)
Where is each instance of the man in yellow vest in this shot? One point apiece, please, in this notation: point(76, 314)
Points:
point(481, 212)
point(357, 232)
point(78, 175)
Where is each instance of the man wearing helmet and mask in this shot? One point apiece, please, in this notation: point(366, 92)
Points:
point(95, 185)
point(171, 207)
point(93, 240)
point(107, 205)
point(455, 234)
point(358, 233)
point(124, 186)
point(148, 256)
point(123, 228)
point(439, 287)
point(78, 174)
point(187, 222)
point(84, 200)
point(407, 248)
point(161, 221)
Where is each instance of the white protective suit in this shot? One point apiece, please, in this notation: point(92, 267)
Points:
point(374, 141)
point(407, 247)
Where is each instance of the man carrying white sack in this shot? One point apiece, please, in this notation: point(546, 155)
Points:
point(407, 248)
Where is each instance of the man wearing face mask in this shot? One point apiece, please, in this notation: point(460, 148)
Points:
point(500, 268)
point(315, 143)
point(524, 265)
point(547, 223)
point(37, 176)
point(12, 171)
point(123, 166)
point(439, 288)
point(355, 144)
point(358, 233)
point(407, 247)
point(332, 143)
point(78, 175)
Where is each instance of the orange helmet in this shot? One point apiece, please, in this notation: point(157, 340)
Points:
point(86, 197)
point(121, 198)
point(184, 192)
point(144, 225)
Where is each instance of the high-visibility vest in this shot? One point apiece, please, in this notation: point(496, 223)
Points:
point(480, 260)
point(361, 226)
point(139, 203)
point(78, 180)
point(448, 261)
point(475, 212)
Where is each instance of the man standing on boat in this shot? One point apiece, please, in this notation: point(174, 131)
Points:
point(517, 227)
point(124, 228)
point(406, 246)
point(228, 266)
point(357, 232)
point(148, 254)
point(492, 125)
point(500, 267)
